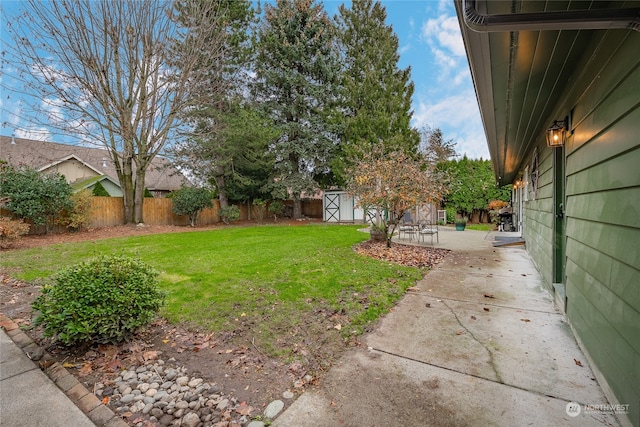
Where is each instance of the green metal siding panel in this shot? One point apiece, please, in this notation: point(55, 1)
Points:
point(607, 81)
point(591, 259)
point(619, 207)
point(619, 172)
point(602, 209)
point(622, 319)
point(623, 136)
point(618, 242)
point(623, 281)
point(614, 357)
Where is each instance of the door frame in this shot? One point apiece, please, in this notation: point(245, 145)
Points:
point(559, 217)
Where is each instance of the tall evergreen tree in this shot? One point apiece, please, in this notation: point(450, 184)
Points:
point(214, 144)
point(377, 93)
point(434, 147)
point(297, 72)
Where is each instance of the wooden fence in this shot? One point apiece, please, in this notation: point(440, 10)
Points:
point(109, 212)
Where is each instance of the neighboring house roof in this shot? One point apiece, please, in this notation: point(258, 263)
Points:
point(161, 174)
point(89, 182)
point(64, 159)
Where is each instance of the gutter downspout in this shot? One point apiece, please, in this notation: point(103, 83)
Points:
point(597, 19)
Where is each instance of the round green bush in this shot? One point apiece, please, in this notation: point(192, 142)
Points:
point(103, 300)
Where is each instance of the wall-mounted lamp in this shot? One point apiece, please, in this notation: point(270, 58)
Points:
point(557, 133)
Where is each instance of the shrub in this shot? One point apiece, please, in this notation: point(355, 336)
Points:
point(451, 215)
point(191, 201)
point(148, 193)
point(229, 213)
point(259, 209)
point(79, 217)
point(100, 191)
point(11, 230)
point(276, 207)
point(34, 196)
point(103, 300)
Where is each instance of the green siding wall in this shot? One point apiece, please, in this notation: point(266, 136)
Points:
point(602, 208)
point(537, 225)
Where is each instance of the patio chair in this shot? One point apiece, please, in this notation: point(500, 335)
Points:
point(428, 230)
point(407, 227)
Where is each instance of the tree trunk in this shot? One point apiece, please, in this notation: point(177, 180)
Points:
point(139, 197)
point(297, 208)
point(222, 193)
point(127, 190)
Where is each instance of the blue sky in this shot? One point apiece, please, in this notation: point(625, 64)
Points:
point(430, 42)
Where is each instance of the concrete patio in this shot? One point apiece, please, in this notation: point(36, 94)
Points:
point(478, 342)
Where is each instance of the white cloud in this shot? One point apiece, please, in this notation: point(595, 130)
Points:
point(444, 5)
point(444, 32)
point(38, 134)
point(458, 117)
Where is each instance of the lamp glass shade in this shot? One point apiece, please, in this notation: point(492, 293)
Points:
point(556, 135)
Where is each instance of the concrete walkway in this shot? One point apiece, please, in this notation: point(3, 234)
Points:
point(478, 342)
point(53, 398)
point(28, 397)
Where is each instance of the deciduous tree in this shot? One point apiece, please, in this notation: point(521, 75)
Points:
point(116, 73)
point(392, 183)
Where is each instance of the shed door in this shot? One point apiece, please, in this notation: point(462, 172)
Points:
point(346, 207)
point(331, 207)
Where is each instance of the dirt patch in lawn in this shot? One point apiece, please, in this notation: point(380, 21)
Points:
point(236, 361)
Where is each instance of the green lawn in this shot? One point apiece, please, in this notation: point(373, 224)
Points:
point(265, 280)
point(480, 227)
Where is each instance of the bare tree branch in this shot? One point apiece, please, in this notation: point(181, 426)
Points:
point(115, 73)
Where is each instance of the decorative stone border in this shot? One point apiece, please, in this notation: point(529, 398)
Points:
point(98, 413)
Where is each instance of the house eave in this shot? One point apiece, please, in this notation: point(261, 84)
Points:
point(520, 73)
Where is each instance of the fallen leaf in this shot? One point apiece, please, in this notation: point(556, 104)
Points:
point(243, 408)
point(488, 296)
point(473, 317)
point(460, 332)
point(428, 305)
point(85, 370)
point(486, 309)
point(338, 326)
point(68, 365)
point(413, 289)
point(165, 341)
point(522, 274)
point(150, 355)
point(113, 365)
point(526, 320)
point(579, 363)
point(105, 400)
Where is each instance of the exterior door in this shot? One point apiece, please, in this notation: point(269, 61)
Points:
point(559, 226)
